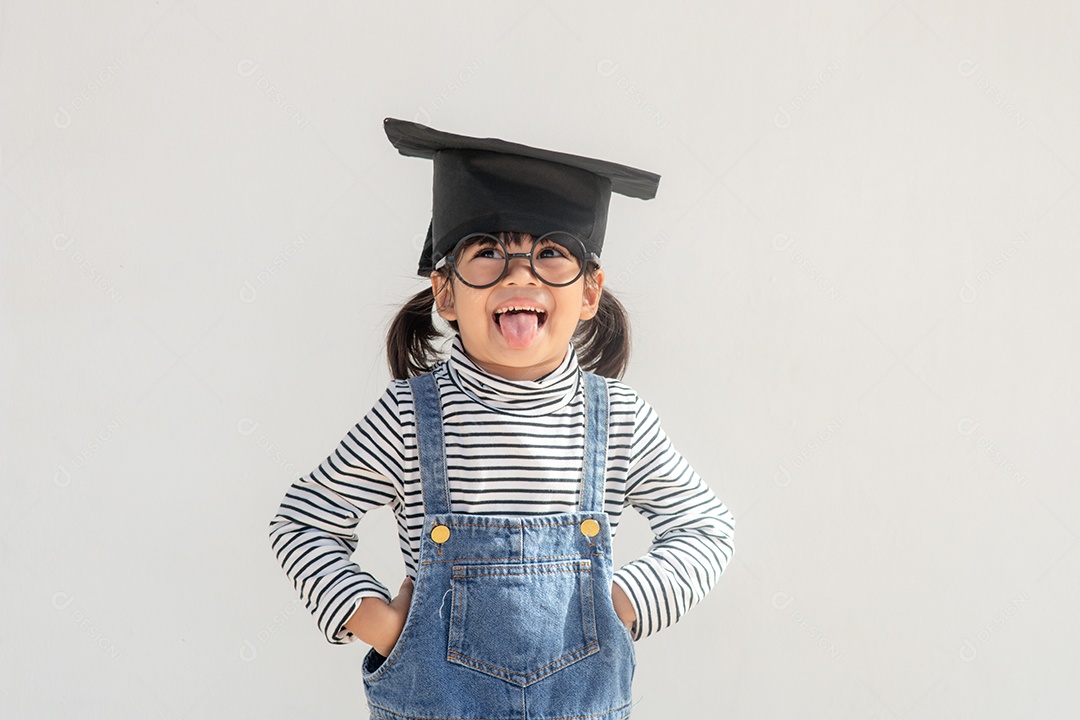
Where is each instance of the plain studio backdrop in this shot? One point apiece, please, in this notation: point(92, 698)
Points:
point(854, 305)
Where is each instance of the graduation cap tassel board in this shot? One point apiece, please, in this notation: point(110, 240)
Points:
point(491, 185)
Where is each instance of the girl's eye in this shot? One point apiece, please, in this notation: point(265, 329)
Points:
point(551, 252)
point(480, 247)
point(490, 253)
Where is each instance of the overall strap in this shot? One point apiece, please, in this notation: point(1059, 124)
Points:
point(429, 442)
point(596, 436)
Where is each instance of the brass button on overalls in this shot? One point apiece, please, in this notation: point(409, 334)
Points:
point(590, 528)
point(440, 534)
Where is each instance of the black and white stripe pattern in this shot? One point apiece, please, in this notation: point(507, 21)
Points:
point(513, 448)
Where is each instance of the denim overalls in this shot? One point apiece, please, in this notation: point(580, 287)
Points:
point(511, 617)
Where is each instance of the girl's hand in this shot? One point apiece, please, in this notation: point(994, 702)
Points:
point(378, 623)
point(623, 608)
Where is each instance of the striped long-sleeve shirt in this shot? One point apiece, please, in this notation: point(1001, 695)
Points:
point(512, 448)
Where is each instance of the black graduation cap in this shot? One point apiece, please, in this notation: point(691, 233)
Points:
point(491, 185)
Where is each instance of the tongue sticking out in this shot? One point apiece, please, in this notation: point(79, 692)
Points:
point(519, 328)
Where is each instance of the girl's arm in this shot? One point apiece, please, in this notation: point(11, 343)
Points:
point(693, 530)
point(312, 533)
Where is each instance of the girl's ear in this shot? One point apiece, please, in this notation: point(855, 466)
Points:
point(590, 297)
point(444, 296)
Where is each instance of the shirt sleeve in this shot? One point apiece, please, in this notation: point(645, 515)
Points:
point(693, 531)
point(313, 533)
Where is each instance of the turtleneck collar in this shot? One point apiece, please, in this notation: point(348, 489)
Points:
point(543, 396)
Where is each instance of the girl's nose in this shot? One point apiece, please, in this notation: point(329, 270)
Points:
point(520, 272)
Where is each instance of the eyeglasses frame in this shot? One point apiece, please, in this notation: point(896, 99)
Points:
point(586, 258)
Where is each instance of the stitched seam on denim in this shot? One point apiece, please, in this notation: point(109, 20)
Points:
point(457, 618)
point(395, 716)
point(507, 559)
point(524, 573)
point(564, 569)
point(584, 717)
point(583, 383)
point(591, 613)
point(595, 456)
point(426, 395)
point(541, 672)
point(500, 525)
point(384, 714)
point(424, 447)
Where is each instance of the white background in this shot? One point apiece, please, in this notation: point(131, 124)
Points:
point(854, 303)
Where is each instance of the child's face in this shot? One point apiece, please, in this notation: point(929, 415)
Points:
point(516, 345)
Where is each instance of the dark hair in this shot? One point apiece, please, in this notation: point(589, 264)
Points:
point(602, 343)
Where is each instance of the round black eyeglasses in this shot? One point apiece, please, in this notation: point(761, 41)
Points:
point(558, 259)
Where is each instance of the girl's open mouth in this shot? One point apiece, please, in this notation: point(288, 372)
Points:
point(519, 325)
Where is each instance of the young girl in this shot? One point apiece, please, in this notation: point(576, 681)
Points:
point(508, 464)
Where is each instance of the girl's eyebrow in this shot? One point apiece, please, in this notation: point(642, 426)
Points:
point(479, 241)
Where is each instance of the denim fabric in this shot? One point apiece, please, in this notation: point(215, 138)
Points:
point(511, 617)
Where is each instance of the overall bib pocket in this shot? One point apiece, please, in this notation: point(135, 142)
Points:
point(521, 622)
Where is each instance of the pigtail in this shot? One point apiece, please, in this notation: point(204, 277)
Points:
point(411, 340)
point(603, 343)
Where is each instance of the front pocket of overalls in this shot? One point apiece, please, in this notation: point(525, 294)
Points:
point(521, 622)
